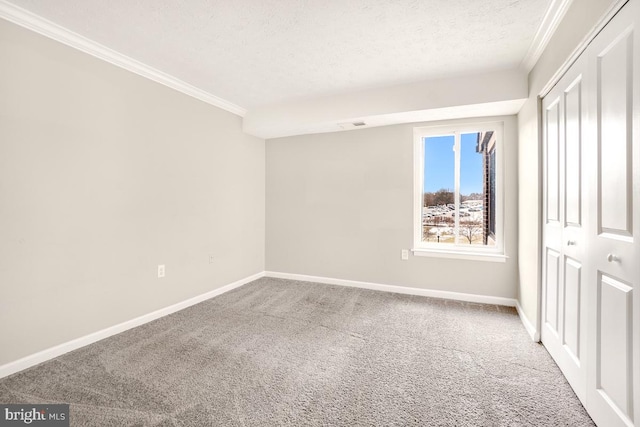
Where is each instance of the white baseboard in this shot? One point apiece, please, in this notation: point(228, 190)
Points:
point(53, 352)
point(50, 353)
point(484, 299)
point(535, 335)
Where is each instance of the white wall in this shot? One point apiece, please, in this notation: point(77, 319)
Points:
point(581, 17)
point(103, 176)
point(339, 205)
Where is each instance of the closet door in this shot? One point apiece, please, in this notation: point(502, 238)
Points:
point(564, 241)
point(613, 397)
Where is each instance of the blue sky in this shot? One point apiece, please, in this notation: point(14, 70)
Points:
point(439, 160)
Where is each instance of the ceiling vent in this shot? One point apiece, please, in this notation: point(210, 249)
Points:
point(351, 125)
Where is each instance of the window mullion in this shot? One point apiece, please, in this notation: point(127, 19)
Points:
point(456, 194)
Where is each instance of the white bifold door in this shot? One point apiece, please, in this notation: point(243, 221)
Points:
point(591, 230)
point(564, 317)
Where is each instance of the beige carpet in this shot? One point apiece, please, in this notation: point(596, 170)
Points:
point(277, 352)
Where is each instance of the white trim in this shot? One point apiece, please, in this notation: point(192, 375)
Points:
point(42, 26)
point(53, 352)
point(50, 353)
point(433, 293)
point(533, 333)
point(470, 256)
point(555, 13)
point(608, 15)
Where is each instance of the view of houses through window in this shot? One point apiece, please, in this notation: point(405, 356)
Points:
point(459, 191)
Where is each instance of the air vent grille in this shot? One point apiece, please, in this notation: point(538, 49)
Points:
point(351, 125)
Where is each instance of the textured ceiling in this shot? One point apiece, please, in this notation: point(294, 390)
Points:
point(261, 52)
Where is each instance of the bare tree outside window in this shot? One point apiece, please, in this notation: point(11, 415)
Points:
point(472, 230)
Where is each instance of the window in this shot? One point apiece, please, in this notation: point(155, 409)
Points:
point(458, 191)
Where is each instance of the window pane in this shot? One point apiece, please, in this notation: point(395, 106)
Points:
point(438, 189)
point(457, 190)
point(477, 189)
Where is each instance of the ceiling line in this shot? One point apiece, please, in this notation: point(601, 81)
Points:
point(33, 22)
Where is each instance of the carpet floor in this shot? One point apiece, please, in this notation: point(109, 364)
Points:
point(285, 353)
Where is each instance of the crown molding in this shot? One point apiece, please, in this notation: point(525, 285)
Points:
point(614, 8)
point(42, 26)
point(555, 13)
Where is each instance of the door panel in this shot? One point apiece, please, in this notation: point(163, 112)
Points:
point(614, 71)
point(573, 155)
point(572, 290)
point(553, 269)
point(553, 172)
point(615, 343)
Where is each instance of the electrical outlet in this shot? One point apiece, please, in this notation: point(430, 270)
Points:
point(405, 254)
point(211, 259)
point(160, 271)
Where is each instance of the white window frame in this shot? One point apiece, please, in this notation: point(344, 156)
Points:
point(479, 253)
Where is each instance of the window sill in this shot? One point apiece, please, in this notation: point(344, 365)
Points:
point(471, 256)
